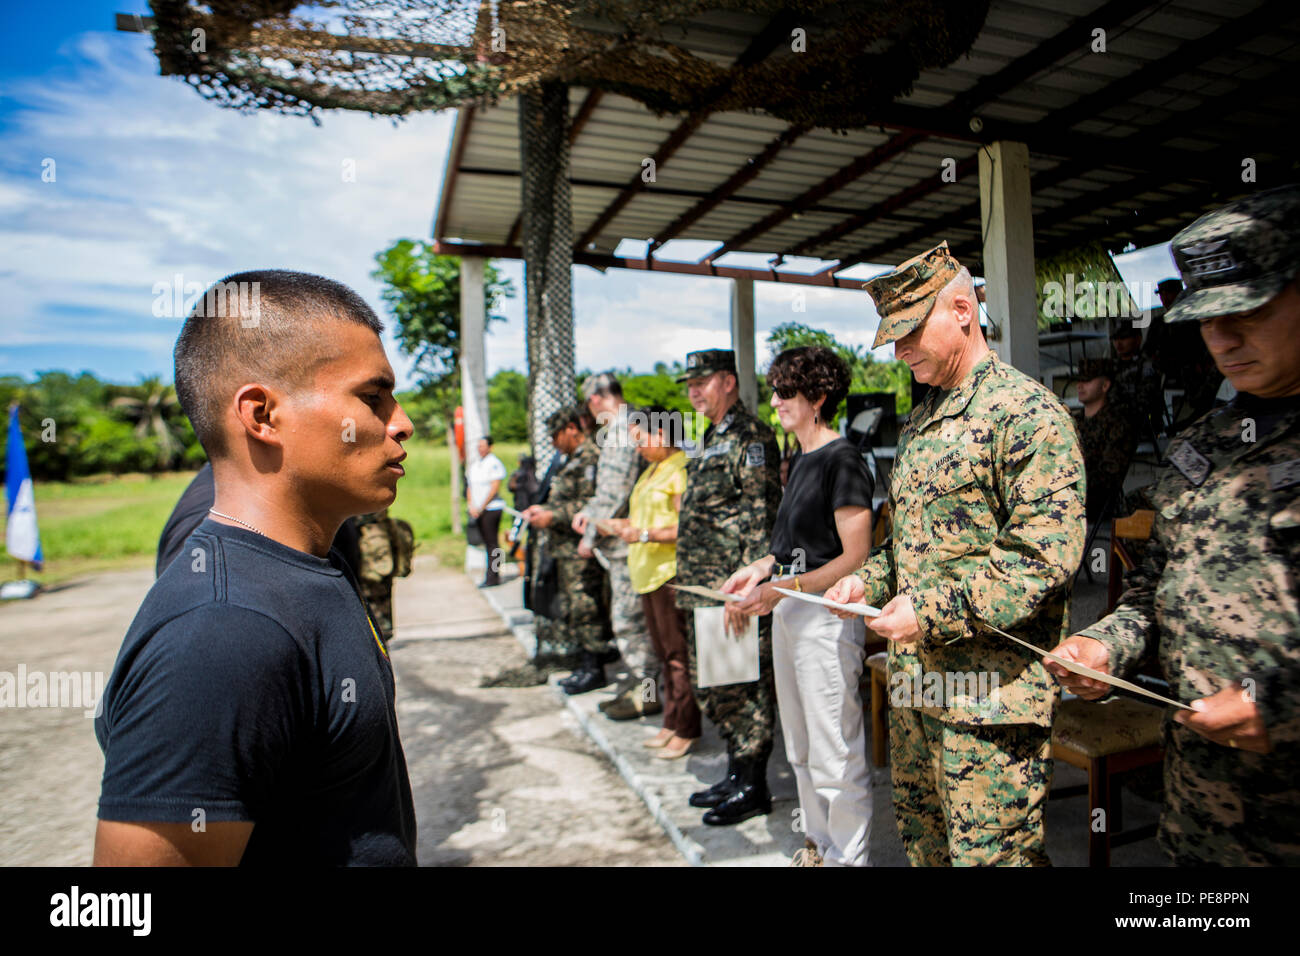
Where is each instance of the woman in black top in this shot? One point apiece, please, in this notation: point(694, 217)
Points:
point(822, 532)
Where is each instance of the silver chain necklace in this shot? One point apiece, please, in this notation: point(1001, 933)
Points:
point(214, 511)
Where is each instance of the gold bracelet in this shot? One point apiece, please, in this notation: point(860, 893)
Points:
point(797, 586)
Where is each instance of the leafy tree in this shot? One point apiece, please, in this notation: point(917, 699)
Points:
point(508, 405)
point(422, 291)
point(154, 410)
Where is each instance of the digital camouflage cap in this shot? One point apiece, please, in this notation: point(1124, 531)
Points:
point(905, 296)
point(557, 420)
point(1091, 368)
point(708, 361)
point(1239, 256)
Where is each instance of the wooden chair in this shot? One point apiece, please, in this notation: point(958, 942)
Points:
point(1136, 527)
point(878, 674)
point(1106, 739)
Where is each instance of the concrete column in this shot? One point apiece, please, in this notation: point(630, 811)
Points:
point(1008, 229)
point(742, 339)
point(473, 369)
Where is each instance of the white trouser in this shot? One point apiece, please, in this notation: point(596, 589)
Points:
point(817, 661)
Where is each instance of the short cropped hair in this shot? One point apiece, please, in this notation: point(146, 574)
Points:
point(813, 371)
point(603, 383)
point(662, 421)
point(488, 439)
point(257, 326)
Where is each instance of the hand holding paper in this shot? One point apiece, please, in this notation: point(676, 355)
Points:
point(847, 610)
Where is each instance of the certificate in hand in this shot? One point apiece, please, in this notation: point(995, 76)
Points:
point(723, 658)
point(866, 610)
point(705, 592)
point(1076, 668)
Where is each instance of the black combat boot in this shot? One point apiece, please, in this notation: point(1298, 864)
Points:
point(750, 798)
point(720, 790)
point(591, 676)
point(586, 661)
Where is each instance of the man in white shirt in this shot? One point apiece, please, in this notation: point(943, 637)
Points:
point(484, 479)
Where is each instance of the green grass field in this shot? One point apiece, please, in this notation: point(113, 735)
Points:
point(113, 521)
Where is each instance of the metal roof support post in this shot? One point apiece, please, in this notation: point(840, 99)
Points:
point(742, 340)
point(548, 257)
point(473, 374)
point(1007, 226)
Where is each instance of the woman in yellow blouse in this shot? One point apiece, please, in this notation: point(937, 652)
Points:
point(651, 532)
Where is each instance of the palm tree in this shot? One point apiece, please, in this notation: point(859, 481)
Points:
point(151, 410)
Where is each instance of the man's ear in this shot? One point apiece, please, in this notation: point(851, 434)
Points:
point(255, 406)
point(964, 309)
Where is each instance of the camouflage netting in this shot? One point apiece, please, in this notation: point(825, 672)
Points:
point(400, 56)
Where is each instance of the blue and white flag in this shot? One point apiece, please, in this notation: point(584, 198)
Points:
point(22, 540)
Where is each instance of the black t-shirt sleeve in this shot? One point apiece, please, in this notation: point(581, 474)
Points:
point(848, 481)
point(205, 717)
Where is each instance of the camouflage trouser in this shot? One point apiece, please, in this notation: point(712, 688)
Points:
point(969, 795)
point(1228, 807)
point(582, 597)
point(378, 596)
point(745, 714)
point(627, 619)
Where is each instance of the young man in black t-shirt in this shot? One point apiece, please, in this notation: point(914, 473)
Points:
point(249, 717)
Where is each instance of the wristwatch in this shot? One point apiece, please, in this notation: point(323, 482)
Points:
point(645, 536)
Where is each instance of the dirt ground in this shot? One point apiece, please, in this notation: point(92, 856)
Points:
point(501, 777)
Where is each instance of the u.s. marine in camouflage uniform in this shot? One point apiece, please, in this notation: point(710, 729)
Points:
point(987, 526)
point(581, 580)
point(1106, 436)
point(376, 572)
point(733, 491)
point(1218, 591)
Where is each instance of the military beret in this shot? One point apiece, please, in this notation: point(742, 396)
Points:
point(905, 296)
point(1239, 256)
point(708, 361)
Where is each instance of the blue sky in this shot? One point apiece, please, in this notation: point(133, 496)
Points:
point(151, 182)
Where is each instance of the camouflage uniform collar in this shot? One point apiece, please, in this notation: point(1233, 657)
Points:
point(1279, 415)
point(737, 410)
point(945, 403)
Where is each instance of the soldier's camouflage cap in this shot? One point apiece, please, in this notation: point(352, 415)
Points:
point(708, 361)
point(557, 420)
point(1094, 368)
point(905, 296)
point(1238, 257)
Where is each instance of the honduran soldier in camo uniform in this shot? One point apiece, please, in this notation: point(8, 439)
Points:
point(987, 527)
point(620, 466)
point(1106, 435)
point(378, 563)
point(1218, 592)
point(733, 490)
point(581, 580)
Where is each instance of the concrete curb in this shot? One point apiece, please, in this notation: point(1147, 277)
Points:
point(692, 851)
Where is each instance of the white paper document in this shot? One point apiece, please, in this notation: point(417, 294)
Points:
point(705, 592)
point(724, 658)
point(866, 610)
point(1076, 668)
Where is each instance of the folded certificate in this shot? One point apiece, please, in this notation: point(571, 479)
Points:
point(706, 592)
point(866, 610)
point(724, 658)
point(1076, 668)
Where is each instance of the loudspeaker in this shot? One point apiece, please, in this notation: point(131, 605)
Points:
point(872, 418)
